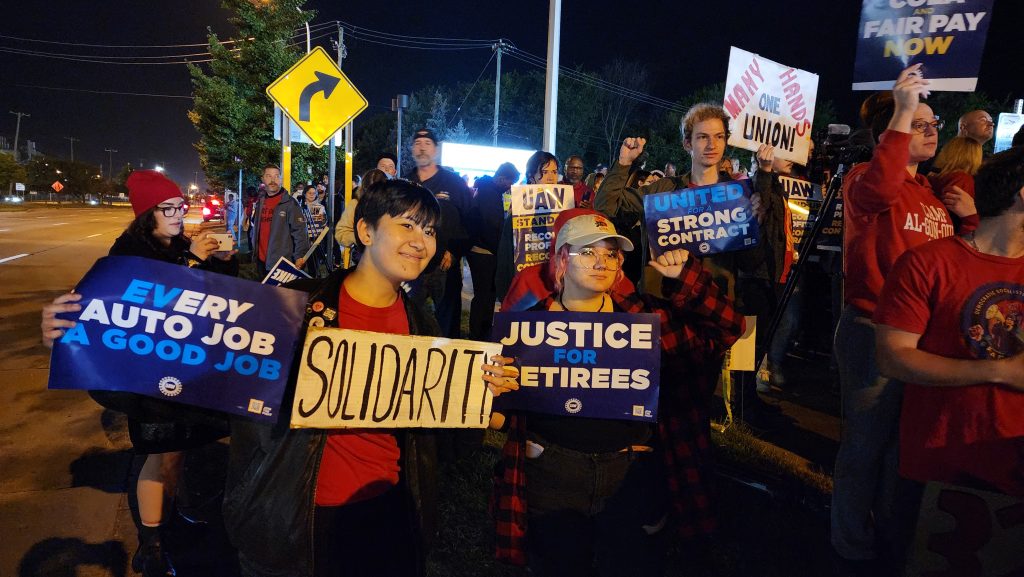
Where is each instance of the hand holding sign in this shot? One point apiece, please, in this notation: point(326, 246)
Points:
point(911, 88)
point(501, 377)
point(631, 149)
point(51, 326)
point(765, 157)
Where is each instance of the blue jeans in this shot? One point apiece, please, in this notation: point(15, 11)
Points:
point(608, 508)
point(866, 466)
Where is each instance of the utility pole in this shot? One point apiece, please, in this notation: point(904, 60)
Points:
point(551, 84)
point(17, 131)
point(332, 162)
point(110, 157)
point(73, 141)
point(497, 88)
point(398, 104)
point(349, 157)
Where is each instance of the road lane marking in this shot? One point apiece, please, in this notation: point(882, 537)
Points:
point(95, 235)
point(15, 257)
point(58, 224)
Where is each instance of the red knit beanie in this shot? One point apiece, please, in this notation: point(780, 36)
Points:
point(148, 188)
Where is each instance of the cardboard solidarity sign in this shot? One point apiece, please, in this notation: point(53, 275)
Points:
point(534, 210)
point(583, 364)
point(703, 220)
point(963, 531)
point(947, 36)
point(181, 334)
point(353, 378)
point(284, 272)
point(770, 104)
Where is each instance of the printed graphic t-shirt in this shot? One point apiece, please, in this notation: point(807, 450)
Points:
point(359, 464)
point(266, 217)
point(965, 305)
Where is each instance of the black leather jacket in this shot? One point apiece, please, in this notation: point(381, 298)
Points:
point(269, 496)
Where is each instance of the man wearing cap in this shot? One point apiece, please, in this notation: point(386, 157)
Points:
point(278, 228)
point(452, 243)
point(486, 218)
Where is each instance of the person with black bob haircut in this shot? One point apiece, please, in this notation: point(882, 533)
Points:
point(349, 502)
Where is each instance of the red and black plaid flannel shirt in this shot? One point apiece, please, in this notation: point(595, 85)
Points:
point(698, 325)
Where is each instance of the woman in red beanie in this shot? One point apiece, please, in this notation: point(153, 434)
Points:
point(602, 491)
point(158, 429)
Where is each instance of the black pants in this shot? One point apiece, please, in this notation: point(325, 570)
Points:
point(372, 538)
point(481, 310)
point(449, 310)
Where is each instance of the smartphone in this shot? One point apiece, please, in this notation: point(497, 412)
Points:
point(224, 240)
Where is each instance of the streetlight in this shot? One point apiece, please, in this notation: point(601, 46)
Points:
point(158, 168)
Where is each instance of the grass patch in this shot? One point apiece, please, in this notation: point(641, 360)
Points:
point(738, 447)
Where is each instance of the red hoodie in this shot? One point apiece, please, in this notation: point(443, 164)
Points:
point(886, 211)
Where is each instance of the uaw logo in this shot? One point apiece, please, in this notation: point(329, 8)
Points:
point(601, 223)
point(704, 247)
point(169, 386)
point(573, 405)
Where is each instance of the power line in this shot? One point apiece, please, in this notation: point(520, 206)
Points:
point(36, 87)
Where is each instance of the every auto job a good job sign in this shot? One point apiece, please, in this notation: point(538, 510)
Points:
point(600, 365)
point(181, 334)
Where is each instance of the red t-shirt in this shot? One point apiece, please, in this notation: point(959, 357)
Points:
point(266, 217)
point(885, 211)
point(965, 305)
point(359, 464)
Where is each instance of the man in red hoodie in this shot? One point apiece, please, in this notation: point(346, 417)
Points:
point(889, 208)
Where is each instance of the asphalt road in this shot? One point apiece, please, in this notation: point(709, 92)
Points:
point(64, 462)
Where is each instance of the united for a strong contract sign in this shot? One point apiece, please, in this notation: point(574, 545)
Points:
point(703, 220)
point(181, 334)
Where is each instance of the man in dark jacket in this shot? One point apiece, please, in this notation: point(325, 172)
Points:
point(447, 187)
point(278, 228)
point(486, 217)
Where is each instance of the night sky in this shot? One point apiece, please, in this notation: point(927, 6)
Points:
point(685, 45)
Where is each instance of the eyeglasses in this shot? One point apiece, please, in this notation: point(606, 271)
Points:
point(170, 211)
point(921, 126)
point(588, 258)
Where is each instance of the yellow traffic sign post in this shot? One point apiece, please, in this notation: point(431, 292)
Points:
point(317, 96)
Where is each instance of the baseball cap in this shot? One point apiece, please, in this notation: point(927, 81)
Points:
point(424, 133)
point(587, 229)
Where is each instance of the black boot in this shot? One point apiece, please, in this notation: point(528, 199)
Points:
point(151, 559)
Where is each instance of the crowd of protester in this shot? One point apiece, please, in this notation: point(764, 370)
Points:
point(930, 390)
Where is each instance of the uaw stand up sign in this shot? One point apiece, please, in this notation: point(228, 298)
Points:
point(600, 365)
point(180, 334)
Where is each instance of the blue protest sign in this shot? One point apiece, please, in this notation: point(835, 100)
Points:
point(599, 365)
point(703, 220)
point(948, 37)
point(180, 334)
point(284, 272)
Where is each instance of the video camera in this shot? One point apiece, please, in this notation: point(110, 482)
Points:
point(836, 145)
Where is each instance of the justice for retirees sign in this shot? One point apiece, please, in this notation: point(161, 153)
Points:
point(363, 379)
point(181, 334)
point(770, 104)
point(534, 210)
point(703, 220)
point(947, 36)
point(604, 365)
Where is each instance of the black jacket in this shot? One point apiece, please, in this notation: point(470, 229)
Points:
point(487, 215)
point(272, 472)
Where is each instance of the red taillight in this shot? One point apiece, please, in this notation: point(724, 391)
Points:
point(215, 202)
point(206, 211)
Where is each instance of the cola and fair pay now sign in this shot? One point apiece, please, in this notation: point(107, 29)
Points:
point(317, 96)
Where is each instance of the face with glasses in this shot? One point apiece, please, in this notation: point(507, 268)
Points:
point(170, 219)
point(924, 134)
point(594, 267)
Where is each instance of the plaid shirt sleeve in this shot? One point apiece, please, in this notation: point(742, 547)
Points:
point(509, 497)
